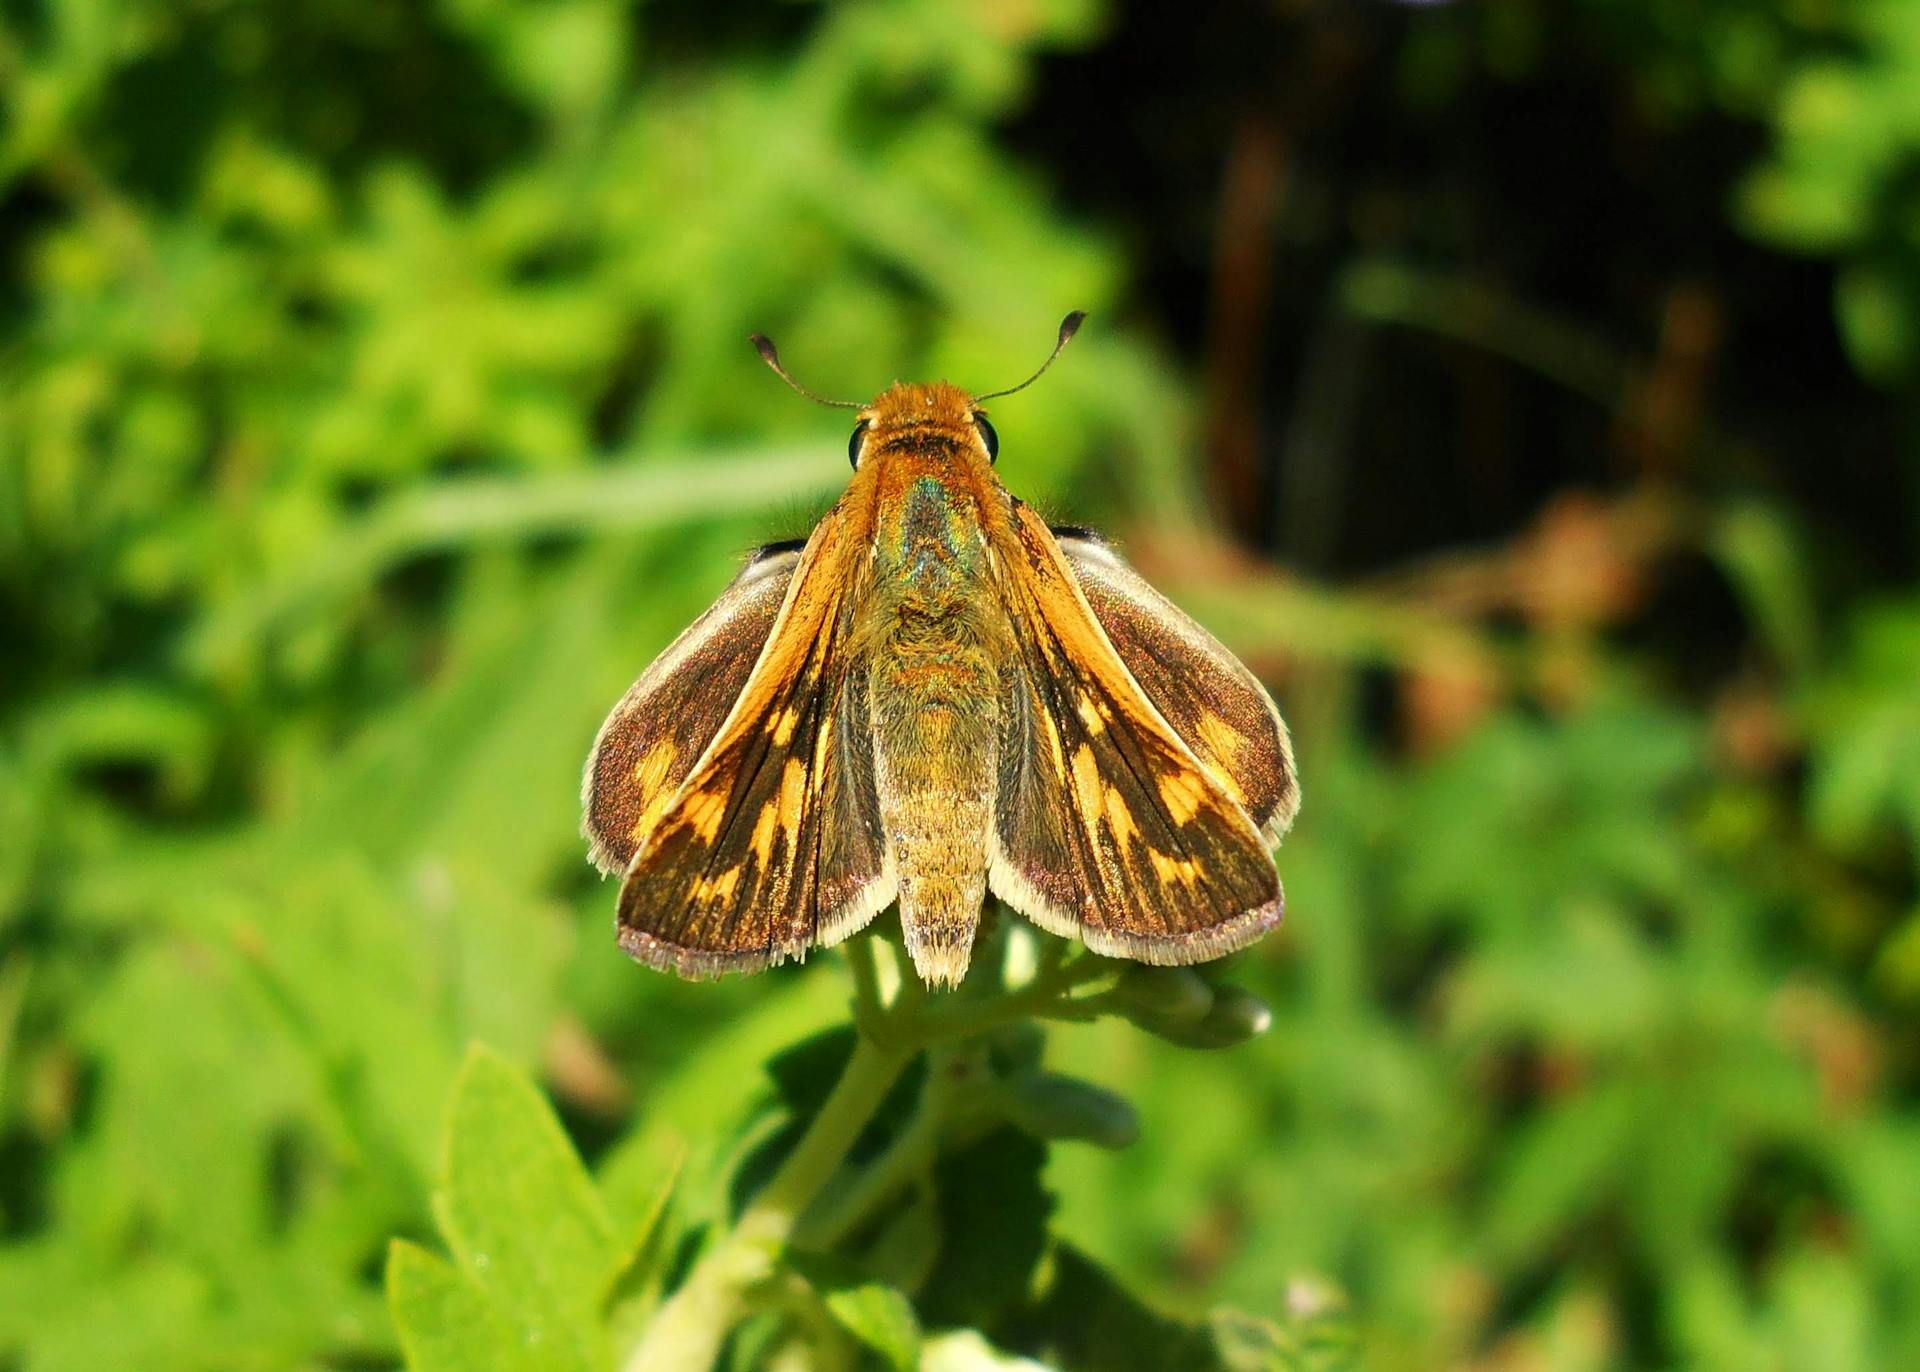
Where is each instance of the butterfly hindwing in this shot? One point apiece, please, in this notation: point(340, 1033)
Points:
point(658, 731)
point(1107, 826)
point(1221, 712)
point(773, 844)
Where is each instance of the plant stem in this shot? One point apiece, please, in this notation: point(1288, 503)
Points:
point(867, 1008)
point(911, 1152)
point(1048, 996)
point(687, 1333)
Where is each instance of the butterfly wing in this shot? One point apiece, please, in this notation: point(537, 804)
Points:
point(1107, 826)
point(658, 731)
point(773, 843)
point(1221, 712)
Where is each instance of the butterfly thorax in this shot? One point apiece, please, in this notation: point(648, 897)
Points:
point(937, 636)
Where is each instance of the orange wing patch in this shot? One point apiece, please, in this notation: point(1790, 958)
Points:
point(1220, 711)
point(772, 845)
point(1108, 825)
point(655, 735)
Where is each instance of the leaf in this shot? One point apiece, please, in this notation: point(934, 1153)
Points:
point(1556, 1167)
point(1756, 546)
point(1088, 1322)
point(152, 1316)
point(908, 1242)
point(445, 1321)
point(711, 1088)
point(521, 1215)
point(1317, 1335)
point(993, 1226)
point(636, 1284)
point(1051, 1105)
point(1876, 311)
point(477, 511)
point(877, 1314)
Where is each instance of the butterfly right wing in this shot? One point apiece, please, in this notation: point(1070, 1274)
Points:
point(1219, 709)
point(658, 731)
point(1107, 826)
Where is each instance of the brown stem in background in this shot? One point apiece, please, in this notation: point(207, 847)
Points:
point(1660, 418)
point(1327, 44)
point(1251, 193)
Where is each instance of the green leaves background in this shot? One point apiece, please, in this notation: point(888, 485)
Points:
point(374, 403)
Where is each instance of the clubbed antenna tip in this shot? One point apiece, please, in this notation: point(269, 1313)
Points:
point(1068, 328)
point(771, 356)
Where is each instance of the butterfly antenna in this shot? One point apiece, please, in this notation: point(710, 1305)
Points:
point(1068, 327)
point(771, 356)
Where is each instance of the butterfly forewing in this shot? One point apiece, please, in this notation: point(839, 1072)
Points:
point(772, 843)
point(658, 731)
point(1106, 824)
point(1209, 697)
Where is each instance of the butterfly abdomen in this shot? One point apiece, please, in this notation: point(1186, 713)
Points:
point(935, 650)
point(934, 766)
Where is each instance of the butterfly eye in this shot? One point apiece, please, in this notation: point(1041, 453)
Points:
point(987, 436)
point(855, 443)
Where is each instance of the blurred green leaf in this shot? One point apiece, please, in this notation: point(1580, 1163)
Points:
point(877, 1314)
point(1087, 1322)
point(1050, 1105)
point(993, 1230)
point(446, 1322)
point(521, 1216)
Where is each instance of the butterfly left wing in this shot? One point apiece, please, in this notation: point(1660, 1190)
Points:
point(1206, 693)
point(1107, 826)
point(665, 721)
point(773, 844)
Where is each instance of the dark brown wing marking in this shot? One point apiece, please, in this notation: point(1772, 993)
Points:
point(773, 843)
point(1107, 826)
point(658, 731)
point(1219, 709)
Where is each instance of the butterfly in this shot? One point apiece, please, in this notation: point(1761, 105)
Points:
point(934, 696)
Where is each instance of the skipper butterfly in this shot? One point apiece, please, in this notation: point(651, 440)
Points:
point(934, 696)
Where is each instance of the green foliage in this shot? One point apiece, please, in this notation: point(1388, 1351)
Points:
point(878, 1202)
point(877, 1314)
point(516, 1207)
point(374, 403)
point(534, 1251)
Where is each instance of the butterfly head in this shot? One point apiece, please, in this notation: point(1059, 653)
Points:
point(919, 412)
point(922, 415)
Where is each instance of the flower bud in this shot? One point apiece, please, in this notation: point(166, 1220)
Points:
point(1236, 1016)
point(1050, 1106)
point(1179, 995)
point(1237, 1010)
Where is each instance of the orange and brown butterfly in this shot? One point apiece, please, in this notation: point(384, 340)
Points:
point(933, 697)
